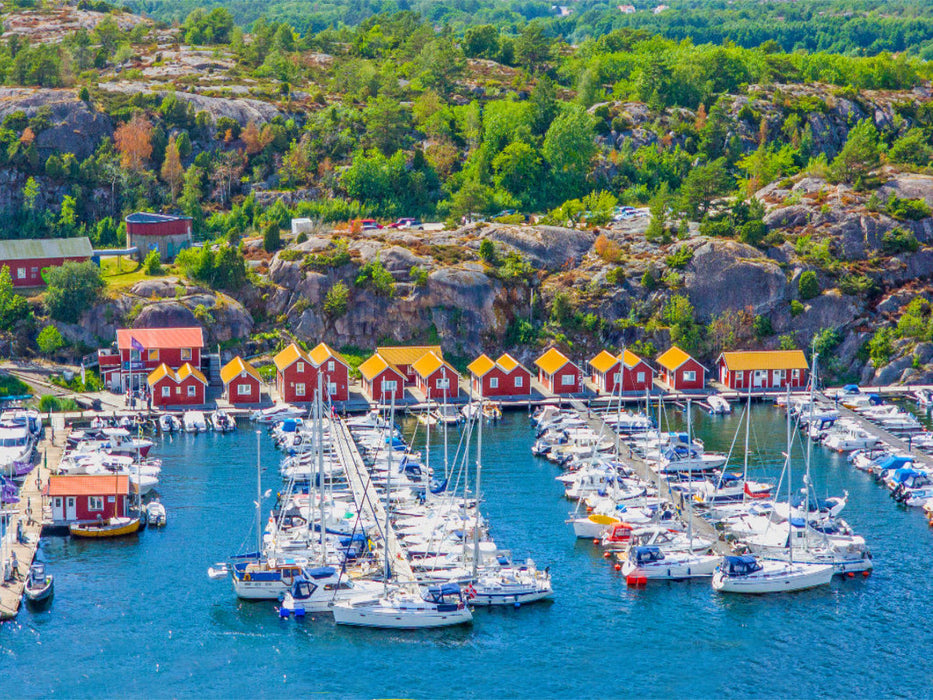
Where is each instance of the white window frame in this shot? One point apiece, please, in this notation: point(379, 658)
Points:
point(300, 368)
point(192, 390)
point(299, 390)
point(330, 366)
point(796, 374)
point(739, 376)
point(20, 273)
point(567, 380)
point(331, 388)
point(244, 389)
point(95, 503)
point(690, 375)
point(640, 377)
point(389, 386)
point(494, 382)
point(519, 381)
point(442, 383)
point(166, 392)
point(186, 354)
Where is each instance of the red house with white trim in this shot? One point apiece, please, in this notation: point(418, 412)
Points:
point(558, 374)
point(77, 497)
point(681, 372)
point(763, 369)
point(242, 383)
point(186, 387)
point(294, 378)
point(403, 357)
point(435, 378)
point(635, 374)
point(142, 350)
point(29, 259)
point(504, 377)
point(335, 370)
point(382, 381)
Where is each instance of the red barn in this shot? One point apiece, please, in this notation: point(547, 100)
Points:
point(186, 387)
point(764, 370)
point(435, 378)
point(504, 377)
point(242, 383)
point(558, 374)
point(382, 381)
point(402, 357)
point(77, 497)
point(295, 377)
point(142, 350)
point(29, 259)
point(163, 232)
point(335, 370)
point(680, 371)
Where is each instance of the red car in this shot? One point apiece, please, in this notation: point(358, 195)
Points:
point(367, 224)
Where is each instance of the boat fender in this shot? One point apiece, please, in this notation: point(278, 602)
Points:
point(246, 577)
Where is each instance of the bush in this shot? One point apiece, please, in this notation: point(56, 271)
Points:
point(291, 255)
point(881, 347)
point(152, 265)
point(897, 240)
point(13, 386)
point(72, 289)
point(301, 238)
point(787, 342)
point(54, 404)
point(336, 300)
point(374, 276)
point(808, 285)
point(607, 249)
point(615, 276)
point(857, 285)
point(680, 257)
point(419, 276)
point(762, 326)
point(271, 237)
point(826, 341)
point(796, 308)
point(907, 209)
point(753, 232)
point(50, 340)
point(649, 281)
point(487, 251)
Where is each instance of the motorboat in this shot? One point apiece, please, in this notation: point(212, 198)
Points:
point(320, 588)
point(266, 579)
point(718, 406)
point(749, 574)
point(274, 414)
point(923, 397)
point(492, 411)
point(218, 571)
point(110, 527)
point(510, 585)
point(39, 586)
point(155, 514)
point(729, 488)
point(221, 422)
point(848, 439)
point(447, 414)
point(169, 423)
point(194, 422)
point(650, 562)
point(439, 606)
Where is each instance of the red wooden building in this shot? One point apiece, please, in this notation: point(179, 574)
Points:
point(763, 370)
point(435, 378)
point(242, 383)
point(504, 377)
point(635, 374)
point(558, 374)
point(29, 259)
point(141, 350)
point(293, 375)
point(186, 387)
point(382, 381)
point(77, 497)
point(335, 370)
point(166, 233)
point(402, 357)
point(680, 371)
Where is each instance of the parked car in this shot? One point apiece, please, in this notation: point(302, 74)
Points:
point(407, 223)
point(367, 224)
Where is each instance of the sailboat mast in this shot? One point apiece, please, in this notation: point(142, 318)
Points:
point(258, 497)
point(389, 450)
point(479, 471)
point(446, 472)
point(790, 491)
point(748, 424)
point(427, 449)
point(319, 430)
point(809, 449)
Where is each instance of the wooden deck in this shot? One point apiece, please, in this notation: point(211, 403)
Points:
point(877, 431)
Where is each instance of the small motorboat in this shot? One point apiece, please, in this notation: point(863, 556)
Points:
point(39, 585)
point(718, 406)
point(155, 514)
point(218, 571)
point(169, 423)
point(649, 562)
point(111, 527)
point(221, 422)
point(194, 422)
point(320, 588)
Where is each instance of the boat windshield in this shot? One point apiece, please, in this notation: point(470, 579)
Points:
point(742, 566)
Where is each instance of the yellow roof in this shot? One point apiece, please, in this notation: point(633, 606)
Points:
point(673, 358)
point(429, 364)
point(407, 354)
point(186, 370)
point(481, 365)
point(158, 373)
point(764, 359)
point(324, 352)
point(376, 364)
point(288, 356)
point(551, 361)
point(604, 361)
point(630, 359)
point(508, 363)
point(235, 368)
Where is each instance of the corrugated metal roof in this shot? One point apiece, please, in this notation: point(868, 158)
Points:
point(481, 365)
point(38, 248)
point(743, 361)
point(235, 368)
point(552, 360)
point(377, 364)
point(89, 485)
point(158, 338)
point(288, 356)
point(146, 217)
point(407, 354)
point(604, 361)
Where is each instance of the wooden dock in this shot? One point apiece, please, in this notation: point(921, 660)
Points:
point(31, 512)
point(369, 500)
point(641, 468)
point(877, 431)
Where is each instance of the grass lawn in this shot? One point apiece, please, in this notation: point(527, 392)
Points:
point(123, 272)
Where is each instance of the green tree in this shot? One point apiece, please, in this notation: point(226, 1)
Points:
point(336, 300)
point(481, 42)
point(569, 148)
point(913, 148)
point(73, 288)
point(387, 124)
point(679, 315)
point(860, 155)
point(533, 47)
point(881, 347)
point(658, 211)
point(50, 340)
point(487, 251)
point(518, 171)
point(271, 237)
point(13, 307)
point(808, 285)
point(152, 265)
point(703, 184)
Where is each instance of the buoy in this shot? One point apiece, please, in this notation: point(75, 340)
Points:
point(866, 574)
point(636, 580)
point(606, 555)
point(851, 574)
point(283, 613)
point(595, 540)
point(517, 604)
point(618, 567)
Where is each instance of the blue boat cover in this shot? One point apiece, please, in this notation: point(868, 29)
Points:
point(851, 388)
point(321, 572)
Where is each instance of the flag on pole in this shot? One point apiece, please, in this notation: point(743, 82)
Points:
point(135, 344)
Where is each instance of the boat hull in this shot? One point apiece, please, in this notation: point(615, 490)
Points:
point(95, 531)
point(384, 618)
point(792, 578)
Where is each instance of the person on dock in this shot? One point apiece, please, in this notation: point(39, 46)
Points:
point(14, 566)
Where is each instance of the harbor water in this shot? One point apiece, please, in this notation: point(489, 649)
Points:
point(139, 617)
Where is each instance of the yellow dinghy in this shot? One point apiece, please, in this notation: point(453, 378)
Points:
point(112, 527)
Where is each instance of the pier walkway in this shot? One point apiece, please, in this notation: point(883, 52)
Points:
point(29, 514)
point(641, 468)
point(368, 499)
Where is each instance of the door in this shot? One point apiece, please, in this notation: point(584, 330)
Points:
point(761, 378)
point(71, 508)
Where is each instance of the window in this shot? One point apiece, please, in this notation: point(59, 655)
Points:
point(796, 374)
point(154, 355)
point(299, 390)
point(300, 368)
point(192, 390)
point(331, 388)
point(20, 273)
point(690, 376)
point(58, 502)
point(443, 383)
point(519, 380)
point(330, 366)
point(567, 380)
point(34, 272)
point(166, 392)
point(640, 377)
point(739, 377)
point(389, 387)
point(494, 382)
point(134, 356)
point(779, 376)
point(244, 389)
point(186, 354)
point(95, 502)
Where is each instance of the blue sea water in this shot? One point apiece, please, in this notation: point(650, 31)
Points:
point(141, 618)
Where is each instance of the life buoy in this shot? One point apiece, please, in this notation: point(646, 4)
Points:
point(246, 577)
